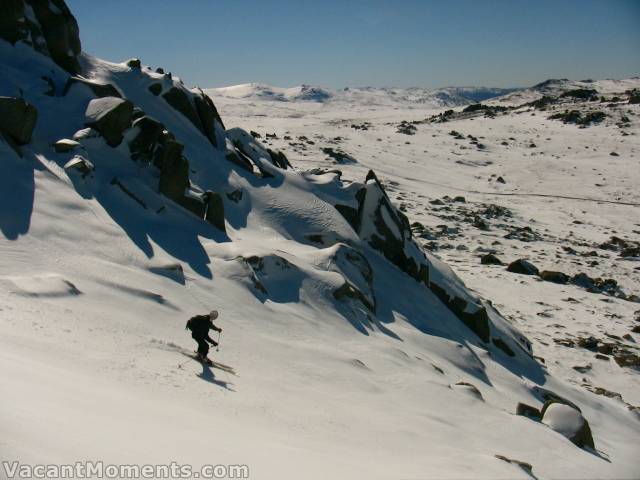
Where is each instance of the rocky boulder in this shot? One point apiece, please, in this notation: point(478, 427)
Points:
point(555, 277)
point(111, 116)
point(47, 25)
point(569, 422)
point(522, 267)
point(146, 139)
point(215, 210)
point(490, 259)
point(174, 168)
point(528, 411)
point(17, 119)
point(208, 115)
point(383, 227)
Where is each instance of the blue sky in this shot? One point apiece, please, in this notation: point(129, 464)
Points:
point(337, 43)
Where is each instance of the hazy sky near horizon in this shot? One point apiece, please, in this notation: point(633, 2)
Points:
point(338, 43)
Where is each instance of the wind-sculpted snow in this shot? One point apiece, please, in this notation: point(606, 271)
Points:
point(343, 340)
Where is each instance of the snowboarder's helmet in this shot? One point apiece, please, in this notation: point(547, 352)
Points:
point(213, 314)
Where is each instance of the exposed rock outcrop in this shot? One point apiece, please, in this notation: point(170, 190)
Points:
point(111, 116)
point(523, 267)
point(17, 119)
point(47, 25)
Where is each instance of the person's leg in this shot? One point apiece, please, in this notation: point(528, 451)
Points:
point(203, 347)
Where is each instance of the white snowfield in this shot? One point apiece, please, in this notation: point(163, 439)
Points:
point(95, 290)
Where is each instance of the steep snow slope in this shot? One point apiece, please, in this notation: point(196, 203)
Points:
point(341, 356)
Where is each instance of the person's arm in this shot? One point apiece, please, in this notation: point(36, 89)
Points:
point(213, 327)
point(211, 341)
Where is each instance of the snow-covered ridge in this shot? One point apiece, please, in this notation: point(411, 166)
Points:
point(434, 98)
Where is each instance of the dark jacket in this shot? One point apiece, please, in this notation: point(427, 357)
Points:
point(200, 326)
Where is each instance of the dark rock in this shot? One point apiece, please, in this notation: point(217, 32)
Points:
point(100, 90)
point(555, 277)
point(143, 145)
point(54, 33)
point(490, 259)
point(193, 204)
point(155, 88)
point(174, 168)
point(257, 135)
point(523, 465)
point(627, 360)
point(590, 343)
point(12, 21)
point(111, 116)
point(279, 159)
point(480, 224)
point(215, 210)
point(134, 63)
point(349, 291)
point(501, 180)
point(17, 119)
point(339, 156)
point(498, 342)
point(477, 321)
point(235, 196)
point(350, 214)
point(208, 115)
point(581, 94)
point(634, 96)
point(459, 199)
point(179, 100)
point(522, 267)
point(528, 411)
point(524, 234)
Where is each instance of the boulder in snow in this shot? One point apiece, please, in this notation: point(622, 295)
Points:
point(17, 119)
point(569, 422)
point(215, 210)
point(528, 411)
point(490, 259)
point(111, 116)
point(522, 267)
point(555, 277)
point(148, 131)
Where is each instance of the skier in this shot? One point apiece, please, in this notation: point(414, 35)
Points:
point(200, 326)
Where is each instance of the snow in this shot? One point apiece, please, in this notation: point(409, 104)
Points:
point(359, 96)
point(95, 290)
point(99, 107)
point(563, 419)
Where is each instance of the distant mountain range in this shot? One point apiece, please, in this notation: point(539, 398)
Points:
point(441, 97)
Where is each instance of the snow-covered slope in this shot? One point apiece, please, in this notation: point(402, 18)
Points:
point(361, 96)
point(348, 351)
